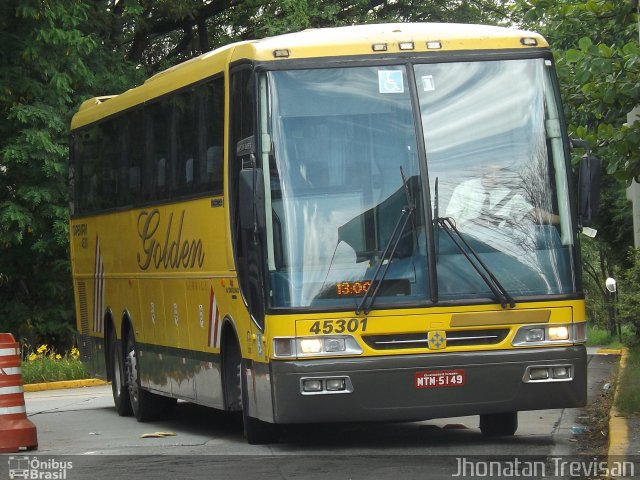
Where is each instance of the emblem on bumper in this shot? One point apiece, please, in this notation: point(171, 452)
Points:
point(437, 340)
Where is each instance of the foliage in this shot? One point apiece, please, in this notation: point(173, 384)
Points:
point(599, 337)
point(629, 294)
point(46, 365)
point(46, 60)
point(598, 62)
point(39, 66)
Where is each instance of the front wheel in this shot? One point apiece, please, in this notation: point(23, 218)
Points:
point(256, 431)
point(499, 424)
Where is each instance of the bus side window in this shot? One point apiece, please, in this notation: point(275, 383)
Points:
point(211, 136)
point(161, 179)
point(135, 151)
point(86, 165)
point(158, 148)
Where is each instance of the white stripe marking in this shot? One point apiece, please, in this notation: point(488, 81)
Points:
point(11, 390)
point(5, 352)
point(12, 410)
point(10, 371)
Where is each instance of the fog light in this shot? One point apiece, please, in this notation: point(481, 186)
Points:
point(558, 333)
point(335, 345)
point(538, 373)
point(336, 384)
point(561, 372)
point(312, 385)
point(535, 335)
point(311, 345)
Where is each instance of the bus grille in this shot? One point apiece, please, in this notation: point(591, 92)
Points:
point(455, 338)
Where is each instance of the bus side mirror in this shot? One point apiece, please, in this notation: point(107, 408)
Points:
point(588, 189)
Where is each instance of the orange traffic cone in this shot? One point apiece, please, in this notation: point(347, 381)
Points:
point(16, 431)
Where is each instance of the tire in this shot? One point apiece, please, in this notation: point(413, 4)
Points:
point(256, 432)
point(499, 424)
point(119, 385)
point(231, 374)
point(145, 405)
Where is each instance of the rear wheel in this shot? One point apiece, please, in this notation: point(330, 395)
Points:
point(118, 384)
point(499, 424)
point(146, 406)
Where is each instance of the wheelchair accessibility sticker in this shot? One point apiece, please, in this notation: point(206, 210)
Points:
point(390, 81)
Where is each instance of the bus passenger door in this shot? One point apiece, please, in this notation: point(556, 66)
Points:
point(246, 193)
point(247, 237)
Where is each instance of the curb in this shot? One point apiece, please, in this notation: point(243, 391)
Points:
point(618, 431)
point(39, 387)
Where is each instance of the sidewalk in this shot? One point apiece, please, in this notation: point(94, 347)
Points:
point(87, 382)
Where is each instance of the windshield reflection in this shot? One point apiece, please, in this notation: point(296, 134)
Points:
point(488, 129)
point(337, 141)
point(340, 137)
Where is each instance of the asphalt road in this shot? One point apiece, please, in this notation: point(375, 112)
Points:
point(81, 426)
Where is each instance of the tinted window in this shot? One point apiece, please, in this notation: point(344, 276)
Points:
point(168, 149)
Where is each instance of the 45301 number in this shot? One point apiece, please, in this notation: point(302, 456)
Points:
point(339, 326)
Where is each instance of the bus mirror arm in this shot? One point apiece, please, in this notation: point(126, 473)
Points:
point(589, 172)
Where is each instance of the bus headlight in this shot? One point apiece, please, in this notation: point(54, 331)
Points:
point(328, 345)
point(289, 347)
point(535, 335)
point(310, 345)
point(530, 335)
point(558, 333)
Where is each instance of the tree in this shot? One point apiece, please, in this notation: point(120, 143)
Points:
point(157, 34)
point(43, 65)
point(598, 62)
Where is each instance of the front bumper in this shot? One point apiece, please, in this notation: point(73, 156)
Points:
point(384, 388)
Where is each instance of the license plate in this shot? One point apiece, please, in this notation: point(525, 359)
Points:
point(440, 379)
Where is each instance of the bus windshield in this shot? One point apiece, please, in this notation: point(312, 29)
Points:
point(341, 161)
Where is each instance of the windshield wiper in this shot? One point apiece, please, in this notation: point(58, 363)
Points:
point(389, 251)
point(479, 266)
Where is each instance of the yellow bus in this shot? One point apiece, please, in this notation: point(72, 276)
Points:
point(365, 223)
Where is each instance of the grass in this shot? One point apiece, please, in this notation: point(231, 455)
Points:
point(628, 400)
point(600, 337)
point(45, 365)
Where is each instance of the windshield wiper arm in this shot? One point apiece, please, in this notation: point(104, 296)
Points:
point(389, 250)
point(479, 266)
